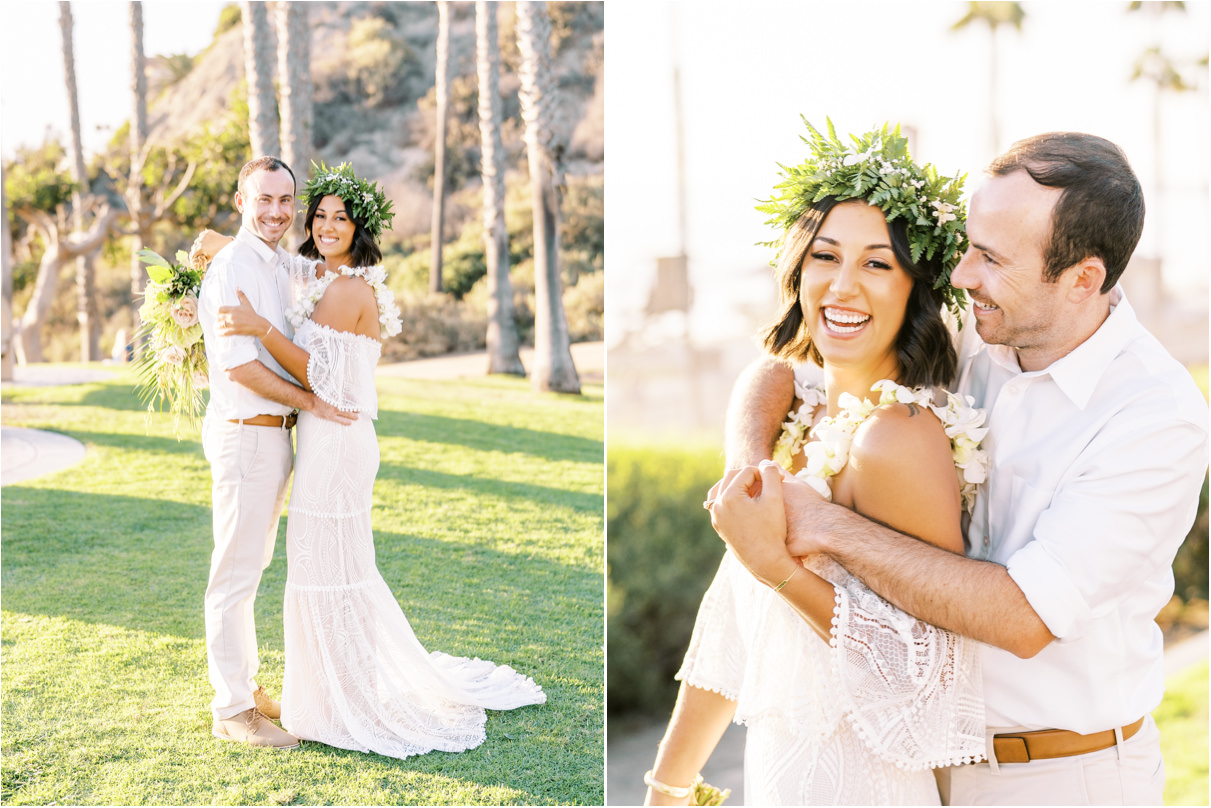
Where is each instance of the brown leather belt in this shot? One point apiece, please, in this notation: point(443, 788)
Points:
point(1023, 747)
point(268, 420)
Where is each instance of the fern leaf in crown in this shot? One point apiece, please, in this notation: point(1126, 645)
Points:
point(370, 205)
point(878, 168)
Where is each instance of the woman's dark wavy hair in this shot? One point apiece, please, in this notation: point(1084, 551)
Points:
point(363, 252)
point(924, 347)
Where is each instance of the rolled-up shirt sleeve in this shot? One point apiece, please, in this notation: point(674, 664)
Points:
point(1116, 520)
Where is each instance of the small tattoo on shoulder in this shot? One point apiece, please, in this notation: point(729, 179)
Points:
point(913, 408)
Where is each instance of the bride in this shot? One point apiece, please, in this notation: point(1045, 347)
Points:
point(356, 676)
point(847, 699)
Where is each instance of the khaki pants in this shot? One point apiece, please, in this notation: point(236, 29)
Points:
point(1131, 773)
point(249, 469)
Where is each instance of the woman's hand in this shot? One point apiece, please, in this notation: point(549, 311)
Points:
point(205, 246)
point(241, 320)
point(749, 515)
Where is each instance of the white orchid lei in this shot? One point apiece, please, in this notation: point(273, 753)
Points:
point(828, 450)
point(376, 276)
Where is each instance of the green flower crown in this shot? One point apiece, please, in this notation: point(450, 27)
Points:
point(879, 169)
point(370, 205)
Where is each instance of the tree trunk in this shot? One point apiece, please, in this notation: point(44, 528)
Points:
point(503, 342)
point(258, 70)
point(60, 249)
point(6, 272)
point(294, 77)
point(138, 137)
point(553, 367)
point(86, 301)
point(442, 88)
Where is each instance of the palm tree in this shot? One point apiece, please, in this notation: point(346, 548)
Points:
point(145, 209)
point(1166, 74)
point(138, 136)
point(553, 367)
point(503, 342)
point(994, 14)
point(86, 298)
point(442, 88)
point(294, 73)
point(258, 70)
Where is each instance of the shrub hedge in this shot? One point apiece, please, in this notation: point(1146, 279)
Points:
point(662, 554)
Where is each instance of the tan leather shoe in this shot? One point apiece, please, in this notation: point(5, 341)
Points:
point(268, 707)
point(254, 728)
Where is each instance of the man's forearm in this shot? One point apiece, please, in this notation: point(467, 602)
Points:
point(973, 598)
point(761, 398)
point(267, 384)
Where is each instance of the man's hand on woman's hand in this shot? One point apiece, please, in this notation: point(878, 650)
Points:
point(747, 512)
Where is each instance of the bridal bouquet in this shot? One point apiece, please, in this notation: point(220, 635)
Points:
point(171, 367)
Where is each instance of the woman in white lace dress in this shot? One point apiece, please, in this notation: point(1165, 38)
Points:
point(847, 700)
point(356, 676)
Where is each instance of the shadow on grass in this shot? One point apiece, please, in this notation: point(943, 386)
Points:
point(137, 442)
point(142, 564)
point(488, 437)
point(492, 487)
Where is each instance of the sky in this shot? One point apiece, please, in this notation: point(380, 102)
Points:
point(749, 70)
point(32, 97)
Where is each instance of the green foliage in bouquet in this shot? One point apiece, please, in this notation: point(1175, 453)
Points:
point(171, 368)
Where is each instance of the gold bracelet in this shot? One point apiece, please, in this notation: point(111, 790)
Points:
point(778, 588)
point(267, 330)
point(676, 792)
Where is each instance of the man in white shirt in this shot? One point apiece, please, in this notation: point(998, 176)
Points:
point(246, 438)
point(1097, 447)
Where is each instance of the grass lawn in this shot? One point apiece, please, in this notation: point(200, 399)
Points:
point(488, 528)
point(1182, 718)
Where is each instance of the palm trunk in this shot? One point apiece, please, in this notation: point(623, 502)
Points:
point(86, 300)
point(553, 367)
point(294, 74)
point(503, 342)
point(442, 88)
point(138, 137)
point(258, 70)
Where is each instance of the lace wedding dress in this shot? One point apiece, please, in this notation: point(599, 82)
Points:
point(356, 676)
point(861, 720)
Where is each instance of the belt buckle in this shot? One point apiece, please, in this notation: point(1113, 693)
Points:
point(288, 421)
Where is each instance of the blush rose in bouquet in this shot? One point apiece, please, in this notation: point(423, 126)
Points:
point(171, 368)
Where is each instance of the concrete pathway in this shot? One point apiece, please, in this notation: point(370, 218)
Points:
point(29, 453)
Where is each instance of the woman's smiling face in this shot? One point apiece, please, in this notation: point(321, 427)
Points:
point(331, 228)
point(853, 290)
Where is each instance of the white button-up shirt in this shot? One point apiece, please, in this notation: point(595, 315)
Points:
point(1095, 468)
point(257, 270)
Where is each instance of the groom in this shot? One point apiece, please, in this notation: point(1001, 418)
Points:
point(246, 438)
point(1097, 447)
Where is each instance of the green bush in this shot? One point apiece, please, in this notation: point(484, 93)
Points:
point(1190, 566)
point(662, 554)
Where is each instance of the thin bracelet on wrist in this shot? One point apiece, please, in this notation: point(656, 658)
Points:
point(676, 792)
point(267, 331)
point(778, 588)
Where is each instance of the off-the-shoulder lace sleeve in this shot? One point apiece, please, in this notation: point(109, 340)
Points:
point(912, 691)
point(341, 368)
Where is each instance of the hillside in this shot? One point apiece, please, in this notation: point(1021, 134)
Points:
point(388, 135)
